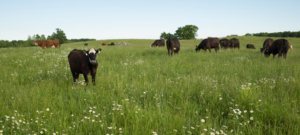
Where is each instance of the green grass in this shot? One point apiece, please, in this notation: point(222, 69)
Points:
point(142, 90)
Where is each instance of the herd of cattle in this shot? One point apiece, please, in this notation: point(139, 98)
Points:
point(280, 46)
point(84, 61)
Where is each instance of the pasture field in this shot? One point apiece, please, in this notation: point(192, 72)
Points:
point(143, 91)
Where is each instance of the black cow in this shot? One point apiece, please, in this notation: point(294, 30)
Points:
point(83, 62)
point(112, 43)
point(173, 45)
point(280, 46)
point(158, 43)
point(267, 43)
point(224, 43)
point(207, 44)
point(234, 43)
point(85, 44)
point(250, 46)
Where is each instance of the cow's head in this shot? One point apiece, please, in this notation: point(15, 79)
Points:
point(34, 42)
point(267, 53)
point(91, 53)
point(197, 48)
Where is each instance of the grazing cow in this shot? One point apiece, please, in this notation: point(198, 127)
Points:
point(173, 45)
point(85, 44)
point(208, 43)
point(267, 43)
point(83, 62)
point(280, 46)
point(47, 43)
point(112, 43)
point(224, 43)
point(158, 43)
point(234, 43)
point(250, 46)
point(105, 43)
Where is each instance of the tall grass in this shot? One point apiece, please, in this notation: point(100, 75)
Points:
point(142, 90)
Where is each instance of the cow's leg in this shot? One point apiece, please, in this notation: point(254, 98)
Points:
point(93, 79)
point(74, 76)
point(86, 79)
point(209, 49)
point(279, 54)
point(284, 55)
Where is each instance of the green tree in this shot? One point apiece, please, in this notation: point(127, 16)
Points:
point(29, 40)
point(60, 35)
point(165, 35)
point(37, 37)
point(248, 34)
point(186, 32)
point(43, 37)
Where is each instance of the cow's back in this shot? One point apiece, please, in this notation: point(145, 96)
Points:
point(213, 42)
point(77, 60)
point(173, 44)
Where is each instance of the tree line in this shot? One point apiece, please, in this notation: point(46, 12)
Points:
point(276, 34)
point(59, 34)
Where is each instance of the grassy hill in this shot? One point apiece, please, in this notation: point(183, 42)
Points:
point(142, 90)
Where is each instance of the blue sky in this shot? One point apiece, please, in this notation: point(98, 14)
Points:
point(135, 19)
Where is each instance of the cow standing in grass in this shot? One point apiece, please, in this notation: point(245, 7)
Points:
point(267, 43)
point(234, 43)
point(173, 45)
point(280, 47)
point(158, 43)
point(224, 43)
point(83, 62)
point(47, 43)
point(208, 44)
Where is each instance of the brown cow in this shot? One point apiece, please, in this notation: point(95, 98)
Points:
point(158, 43)
point(279, 46)
point(83, 62)
point(234, 43)
point(173, 45)
point(267, 43)
point(224, 43)
point(105, 43)
point(207, 44)
point(250, 46)
point(47, 43)
point(86, 44)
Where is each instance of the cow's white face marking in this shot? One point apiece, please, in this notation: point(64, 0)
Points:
point(92, 50)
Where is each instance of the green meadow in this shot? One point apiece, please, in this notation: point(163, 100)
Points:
point(143, 91)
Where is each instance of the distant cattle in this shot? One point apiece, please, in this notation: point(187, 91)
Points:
point(85, 44)
point(280, 47)
point(112, 43)
point(290, 47)
point(158, 43)
point(250, 46)
point(47, 43)
point(83, 62)
point(208, 44)
point(267, 43)
point(105, 43)
point(224, 43)
point(173, 45)
point(234, 43)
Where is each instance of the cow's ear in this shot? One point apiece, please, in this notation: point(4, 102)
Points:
point(99, 50)
point(85, 52)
